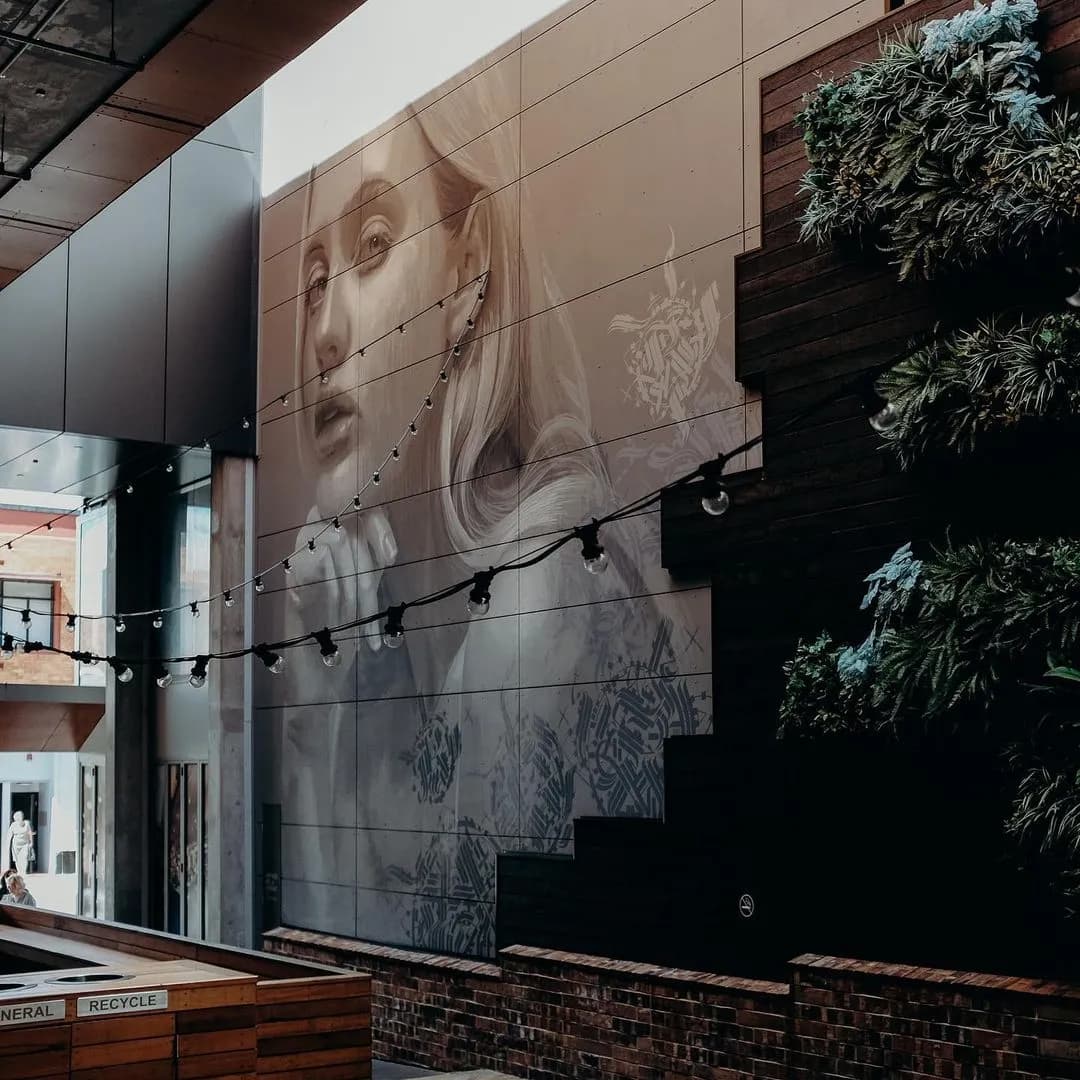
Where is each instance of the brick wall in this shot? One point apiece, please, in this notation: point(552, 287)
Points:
point(50, 556)
point(541, 1013)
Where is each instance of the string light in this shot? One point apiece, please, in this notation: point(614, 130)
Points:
point(164, 677)
point(121, 626)
point(885, 419)
point(593, 554)
point(356, 502)
point(227, 598)
point(169, 467)
point(194, 609)
point(882, 413)
point(259, 586)
point(198, 672)
point(715, 498)
point(479, 602)
point(121, 670)
point(428, 404)
point(130, 489)
point(375, 478)
point(159, 621)
point(7, 650)
point(245, 424)
point(286, 566)
point(336, 524)
point(275, 662)
point(394, 632)
point(331, 654)
point(71, 622)
point(25, 617)
point(310, 546)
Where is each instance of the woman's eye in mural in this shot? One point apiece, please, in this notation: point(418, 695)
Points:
point(315, 288)
point(374, 244)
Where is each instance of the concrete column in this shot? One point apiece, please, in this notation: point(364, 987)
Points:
point(230, 846)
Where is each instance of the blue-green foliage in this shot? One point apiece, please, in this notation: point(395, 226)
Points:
point(939, 151)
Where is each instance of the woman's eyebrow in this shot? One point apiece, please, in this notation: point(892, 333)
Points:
point(366, 192)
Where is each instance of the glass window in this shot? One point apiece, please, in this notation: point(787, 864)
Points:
point(17, 595)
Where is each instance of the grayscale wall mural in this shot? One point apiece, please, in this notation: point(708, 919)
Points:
point(601, 185)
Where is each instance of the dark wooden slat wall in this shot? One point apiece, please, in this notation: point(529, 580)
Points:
point(831, 504)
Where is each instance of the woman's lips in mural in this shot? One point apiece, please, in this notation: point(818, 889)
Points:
point(335, 421)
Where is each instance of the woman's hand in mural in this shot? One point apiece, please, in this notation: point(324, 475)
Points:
point(353, 557)
point(376, 549)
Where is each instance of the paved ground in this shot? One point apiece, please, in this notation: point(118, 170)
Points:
point(385, 1071)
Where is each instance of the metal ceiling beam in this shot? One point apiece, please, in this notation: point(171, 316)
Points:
point(64, 50)
point(41, 24)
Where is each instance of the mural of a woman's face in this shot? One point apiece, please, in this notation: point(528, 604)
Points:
point(373, 266)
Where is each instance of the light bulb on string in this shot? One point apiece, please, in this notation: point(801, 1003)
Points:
point(593, 554)
point(479, 601)
point(121, 670)
point(885, 419)
point(443, 377)
point(71, 622)
point(336, 524)
point(227, 598)
point(158, 621)
point(164, 678)
point(169, 467)
point(130, 489)
point(357, 504)
point(882, 413)
point(206, 444)
point(198, 672)
point(274, 662)
point(470, 323)
point(457, 350)
point(194, 609)
point(284, 399)
point(428, 403)
point(121, 626)
point(715, 500)
point(412, 427)
point(245, 424)
point(259, 586)
point(331, 654)
point(401, 329)
point(312, 546)
point(395, 453)
point(394, 632)
point(324, 379)
point(48, 526)
point(286, 566)
point(7, 650)
point(25, 616)
point(375, 478)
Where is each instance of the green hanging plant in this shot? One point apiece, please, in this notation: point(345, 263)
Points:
point(966, 386)
point(940, 150)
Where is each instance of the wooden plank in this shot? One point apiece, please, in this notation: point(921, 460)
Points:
point(89, 1032)
point(142, 1070)
point(208, 997)
point(216, 1065)
point(37, 1064)
point(307, 1064)
point(121, 1053)
point(216, 1042)
point(317, 989)
point(309, 1025)
point(296, 1010)
point(199, 1020)
point(302, 1044)
point(34, 1038)
point(350, 1071)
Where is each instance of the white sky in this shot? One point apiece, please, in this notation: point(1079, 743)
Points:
point(378, 60)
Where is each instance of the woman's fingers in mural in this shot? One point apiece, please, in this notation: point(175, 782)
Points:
point(376, 548)
point(327, 572)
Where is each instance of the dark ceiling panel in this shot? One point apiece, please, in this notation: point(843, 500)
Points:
point(111, 123)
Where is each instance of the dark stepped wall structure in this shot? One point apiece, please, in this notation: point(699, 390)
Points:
point(868, 853)
point(848, 848)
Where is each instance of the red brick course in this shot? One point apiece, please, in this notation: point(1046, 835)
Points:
point(538, 1014)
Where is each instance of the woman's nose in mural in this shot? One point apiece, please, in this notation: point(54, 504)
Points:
point(335, 323)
